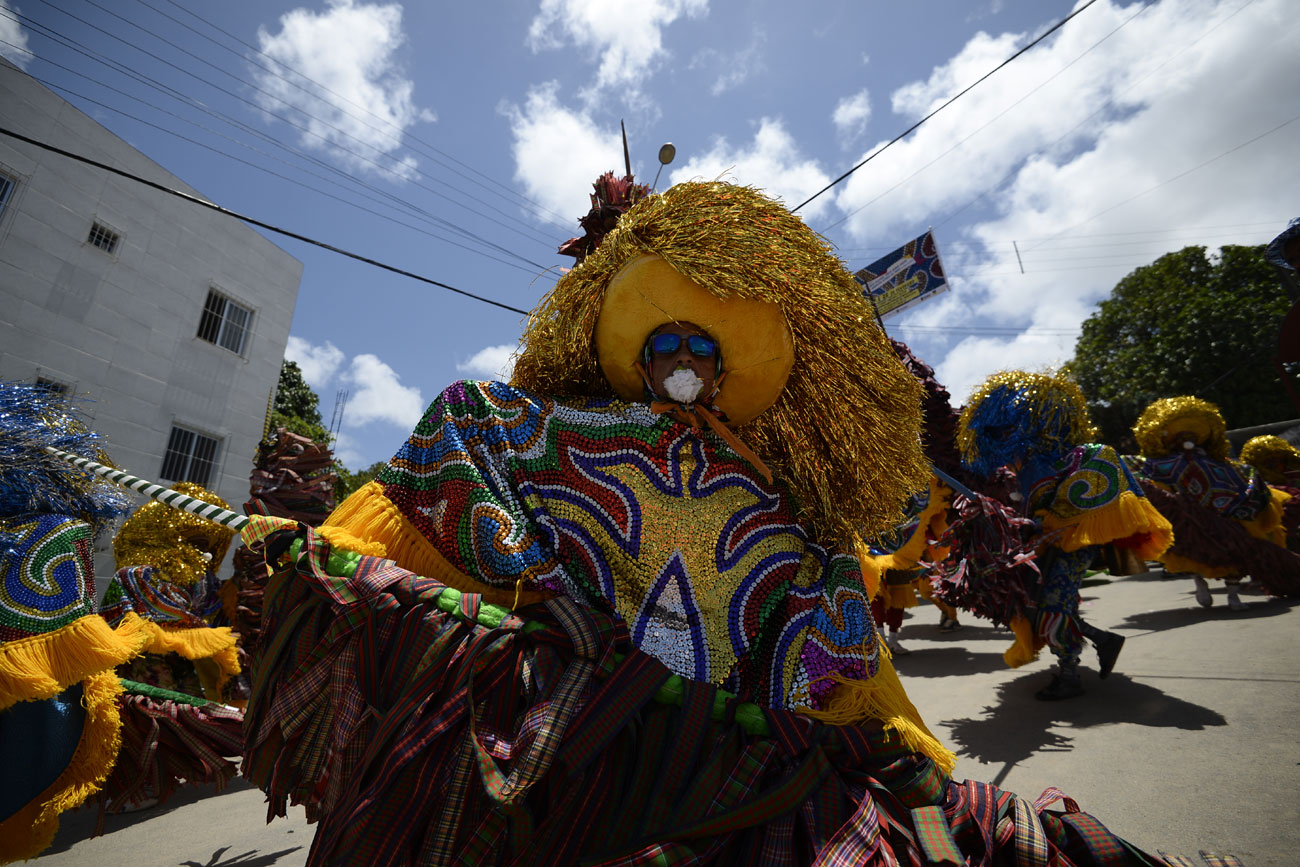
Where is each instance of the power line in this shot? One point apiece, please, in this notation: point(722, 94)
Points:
point(990, 121)
point(305, 130)
point(1057, 26)
point(255, 222)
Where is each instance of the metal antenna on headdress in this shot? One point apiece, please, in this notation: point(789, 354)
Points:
point(627, 159)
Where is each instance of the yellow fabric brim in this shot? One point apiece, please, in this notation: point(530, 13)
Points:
point(757, 348)
point(1128, 516)
point(1026, 646)
point(1176, 563)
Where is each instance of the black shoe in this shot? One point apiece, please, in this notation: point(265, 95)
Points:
point(1061, 687)
point(1108, 651)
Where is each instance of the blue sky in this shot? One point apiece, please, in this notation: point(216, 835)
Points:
point(460, 140)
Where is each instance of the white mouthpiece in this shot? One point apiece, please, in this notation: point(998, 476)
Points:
point(683, 385)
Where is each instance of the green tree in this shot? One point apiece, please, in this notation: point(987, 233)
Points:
point(1186, 324)
point(349, 481)
point(296, 406)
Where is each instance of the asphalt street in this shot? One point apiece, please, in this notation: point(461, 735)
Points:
point(1193, 743)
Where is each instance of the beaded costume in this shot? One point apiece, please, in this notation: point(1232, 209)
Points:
point(1227, 520)
point(567, 624)
point(1081, 494)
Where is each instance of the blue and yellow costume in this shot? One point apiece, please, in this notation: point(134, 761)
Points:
point(1081, 494)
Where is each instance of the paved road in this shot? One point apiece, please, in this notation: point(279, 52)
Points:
point(1193, 743)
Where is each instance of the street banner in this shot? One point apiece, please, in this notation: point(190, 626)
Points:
point(904, 278)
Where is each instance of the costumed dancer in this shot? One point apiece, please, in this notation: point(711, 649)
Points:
point(1081, 494)
point(1278, 462)
point(1227, 521)
point(60, 726)
point(167, 563)
point(641, 634)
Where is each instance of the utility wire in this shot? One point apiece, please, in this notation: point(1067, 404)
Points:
point(502, 188)
point(1057, 26)
point(305, 130)
point(253, 221)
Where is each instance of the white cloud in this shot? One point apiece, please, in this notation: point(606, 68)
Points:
point(626, 38)
point(559, 152)
point(317, 363)
point(347, 451)
point(852, 115)
point(772, 163)
point(346, 86)
point(13, 39)
point(1085, 173)
point(377, 394)
point(491, 362)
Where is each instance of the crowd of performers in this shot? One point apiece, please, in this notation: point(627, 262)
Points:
point(623, 609)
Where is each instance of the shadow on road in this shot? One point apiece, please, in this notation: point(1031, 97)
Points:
point(247, 859)
point(78, 825)
point(946, 662)
point(1176, 618)
point(1018, 725)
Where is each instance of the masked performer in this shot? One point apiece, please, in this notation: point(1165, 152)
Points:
point(1227, 520)
point(1278, 463)
point(641, 634)
point(1081, 494)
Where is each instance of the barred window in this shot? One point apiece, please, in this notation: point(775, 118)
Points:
point(103, 237)
point(52, 385)
point(7, 186)
point(190, 457)
point(225, 323)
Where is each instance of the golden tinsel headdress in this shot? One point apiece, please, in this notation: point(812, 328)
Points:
point(844, 432)
point(173, 541)
point(1274, 457)
point(1018, 415)
point(1163, 420)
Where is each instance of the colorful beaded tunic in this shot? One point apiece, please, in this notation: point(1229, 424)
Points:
point(631, 512)
point(1232, 489)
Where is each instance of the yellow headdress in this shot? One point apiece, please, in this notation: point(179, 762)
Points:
point(1166, 418)
point(1273, 457)
point(173, 541)
point(812, 385)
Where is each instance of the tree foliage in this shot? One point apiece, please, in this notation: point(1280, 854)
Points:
point(1186, 324)
point(349, 481)
point(296, 406)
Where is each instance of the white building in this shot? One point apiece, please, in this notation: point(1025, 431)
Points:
point(171, 318)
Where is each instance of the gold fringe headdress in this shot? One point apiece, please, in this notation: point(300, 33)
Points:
point(843, 434)
point(1274, 457)
point(1016, 414)
point(173, 541)
point(1161, 421)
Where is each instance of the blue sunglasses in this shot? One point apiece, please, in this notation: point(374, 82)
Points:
point(698, 344)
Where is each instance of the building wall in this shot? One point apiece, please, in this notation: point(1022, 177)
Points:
point(121, 329)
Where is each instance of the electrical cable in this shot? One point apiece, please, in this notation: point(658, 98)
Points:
point(1057, 26)
point(255, 222)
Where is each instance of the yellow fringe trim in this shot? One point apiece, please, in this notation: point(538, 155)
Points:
point(1026, 646)
point(42, 666)
point(210, 648)
point(933, 518)
point(883, 698)
point(871, 572)
point(229, 596)
point(30, 831)
point(1130, 515)
point(1176, 563)
point(369, 523)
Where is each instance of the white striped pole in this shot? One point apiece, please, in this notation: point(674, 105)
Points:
point(176, 499)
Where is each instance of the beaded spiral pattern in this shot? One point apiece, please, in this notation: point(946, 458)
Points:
point(623, 509)
point(1088, 477)
point(47, 576)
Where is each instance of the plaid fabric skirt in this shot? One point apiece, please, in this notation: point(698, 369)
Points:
point(418, 725)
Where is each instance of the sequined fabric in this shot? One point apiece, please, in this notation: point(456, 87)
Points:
point(1084, 479)
point(1230, 488)
point(634, 513)
point(47, 576)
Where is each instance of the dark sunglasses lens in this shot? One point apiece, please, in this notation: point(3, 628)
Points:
point(665, 344)
point(701, 346)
